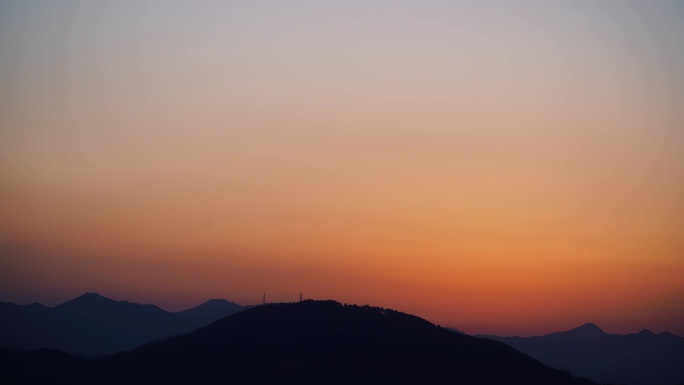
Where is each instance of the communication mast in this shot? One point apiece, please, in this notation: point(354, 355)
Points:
point(264, 300)
point(300, 297)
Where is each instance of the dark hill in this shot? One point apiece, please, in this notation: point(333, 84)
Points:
point(315, 342)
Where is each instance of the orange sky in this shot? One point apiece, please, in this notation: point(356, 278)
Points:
point(504, 169)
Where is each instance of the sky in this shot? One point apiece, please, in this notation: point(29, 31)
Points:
point(512, 168)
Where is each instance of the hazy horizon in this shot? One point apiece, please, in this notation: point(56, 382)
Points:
point(495, 165)
point(477, 329)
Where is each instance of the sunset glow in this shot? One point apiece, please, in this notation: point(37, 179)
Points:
point(510, 169)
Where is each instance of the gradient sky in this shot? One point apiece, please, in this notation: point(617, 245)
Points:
point(499, 167)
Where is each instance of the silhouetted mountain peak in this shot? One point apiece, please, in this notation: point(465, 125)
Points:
point(213, 307)
point(90, 303)
point(86, 300)
point(322, 315)
point(645, 332)
point(587, 329)
point(92, 296)
point(218, 303)
point(217, 300)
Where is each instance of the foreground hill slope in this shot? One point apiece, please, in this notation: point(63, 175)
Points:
point(311, 342)
point(643, 358)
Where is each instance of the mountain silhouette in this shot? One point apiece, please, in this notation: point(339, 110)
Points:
point(644, 358)
point(588, 330)
point(310, 342)
point(218, 308)
point(92, 324)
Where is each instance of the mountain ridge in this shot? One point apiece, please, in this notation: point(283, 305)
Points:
point(309, 342)
point(642, 358)
point(93, 324)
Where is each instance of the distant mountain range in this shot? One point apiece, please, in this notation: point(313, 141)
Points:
point(39, 339)
point(644, 358)
point(310, 342)
point(92, 324)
